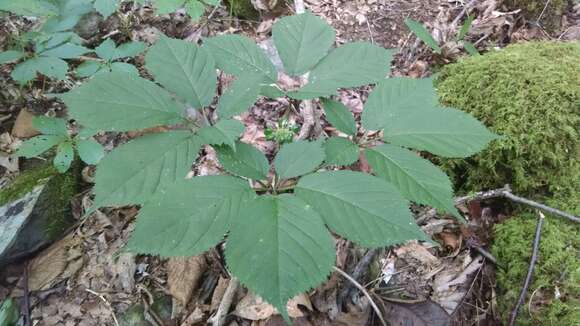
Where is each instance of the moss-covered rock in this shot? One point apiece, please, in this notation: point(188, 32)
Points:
point(555, 284)
point(242, 9)
point(530, 94)
point(532, 9)
point(35, 209)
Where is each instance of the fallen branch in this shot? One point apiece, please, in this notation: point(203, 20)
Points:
point(364, 291)
point(535, 248)
point(219, 318)
point(506, 193)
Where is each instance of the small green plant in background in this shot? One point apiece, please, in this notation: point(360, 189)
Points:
point(283, 132)
point(9, 312)
point(110, 56)
point(278, 244)
point(424, 35)
point(55, 134)
point(194, 8)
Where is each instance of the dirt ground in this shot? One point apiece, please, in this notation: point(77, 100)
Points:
point(87, 279)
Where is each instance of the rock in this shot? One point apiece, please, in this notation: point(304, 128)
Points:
point(35, 210)
point(88, 25)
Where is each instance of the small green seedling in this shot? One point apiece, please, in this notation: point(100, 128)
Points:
point(278, 243)
point(55, 134)
point(283, 132)
point(423, 34)
point(110, 56)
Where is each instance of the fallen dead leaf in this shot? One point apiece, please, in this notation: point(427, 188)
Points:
point(218, 293)
point(425, 313)
point(253, 307)
point(183, 278)
point(23, 125)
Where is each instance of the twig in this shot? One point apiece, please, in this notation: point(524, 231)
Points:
point(360, 268)
point(364, 291)
point(535, 248)
point(463, 12)
point(27, 321)
point(543, 11)
point(100, 296)
point(506, 193)
point(219, 318)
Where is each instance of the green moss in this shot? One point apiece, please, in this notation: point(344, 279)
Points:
point(25, 183)
point(242, 9)
point(557, 270)
point(530, 93)
point(532, 9)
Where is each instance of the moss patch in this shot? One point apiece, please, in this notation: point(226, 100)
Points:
point(557, 270)
point(25, 182)
point(530, 93)
point(242, 9)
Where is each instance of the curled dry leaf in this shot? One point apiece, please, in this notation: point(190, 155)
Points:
point(183, 278)
point(23, 125)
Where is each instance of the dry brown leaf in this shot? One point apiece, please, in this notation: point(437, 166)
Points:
point(253, 307)
point(54, 264)
point(218, 293)
point(418, 252)
point(123, 271)
point(23, 125)
point(183, 275)
point(294, 303)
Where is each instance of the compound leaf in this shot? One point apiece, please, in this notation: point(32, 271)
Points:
point(423, 34)
point(238, 55)
point(29, 7)
point(167, 6)
point(340, 151)
point(38, 145)
point(183, 68)
point(351, 65)
point(124, 68)
point(194, 9)
point(245, 160)
point(64, 156)
point(416, 178)
point(132, 172)
point(298, 158)
point(302, 40)
point(442, 131)
point(397, 96)
point(241, 94)
point(190, 217)
point(360, 207)
point(225, 132)
point(50, 126)
point(65, 51)
point(129, 49)
point(10, 55)
point(339, 116)
point(279, 248)
point(88, 68)
point(48, 66)
point(116, 101)
point(106, 7)
point(90, 151)
point(106, 50)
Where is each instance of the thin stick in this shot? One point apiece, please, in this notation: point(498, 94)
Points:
point(359, 269)
point(219, 318)
point(100, 296)
point(543, 207)
point(535, 248)
point(364, 291)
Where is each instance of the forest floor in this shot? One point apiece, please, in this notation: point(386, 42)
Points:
point(86, 278)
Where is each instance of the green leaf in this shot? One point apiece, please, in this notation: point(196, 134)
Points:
point(29, 7)
point(10, 55)
point(298, 158)
point(416, 178)
point(38, 145)
point(246, 161)
point(339, 116)
point(129, 49)
point(106, 50)
point(194, 9)
point(272, 91)
point(351, 65)
point(61, 38)
point(470, 48)
point(397, 96)
point(132, 172)
point(340, 151)
point(167, 6)
point(240, 96)
point(302, 40)
point(225, 132)
point(238, 55)
point(196, 214)
point(423, 34)
point(66, 51)
point(106, 7)
point(90, 151)
point(183, 68)
point(279, 248)
point(465, 27)
point(88, 68)
point(64, 156)
point(50, 126)
point(360, 207)
point(121, 102)
point(124, 68)
point(50, 67)
point(442, 131)
point(9, 312)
